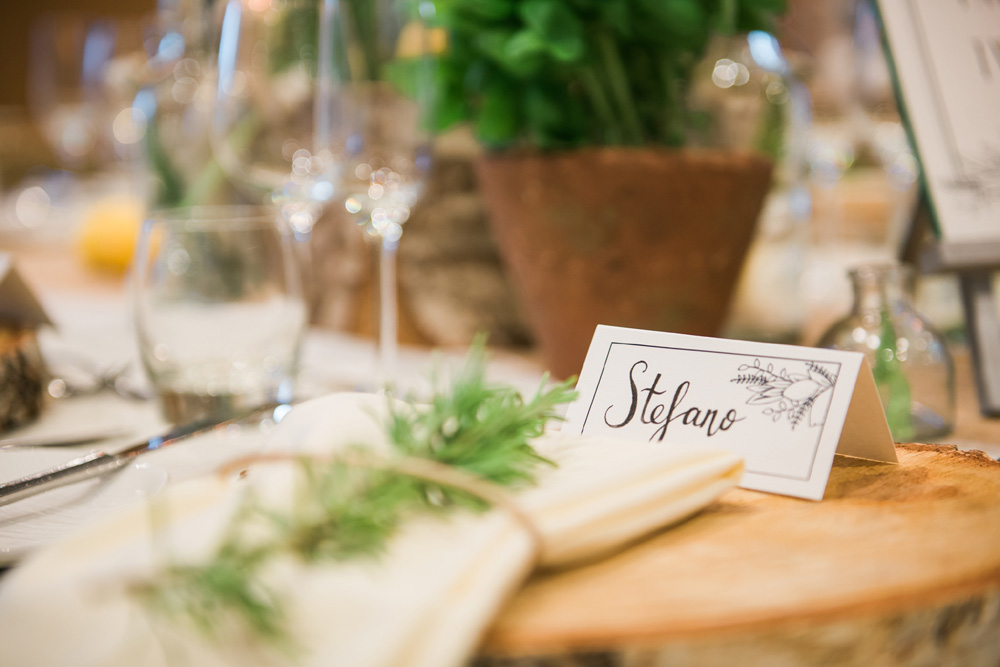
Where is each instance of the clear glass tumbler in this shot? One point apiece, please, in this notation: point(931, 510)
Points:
point(218, 309)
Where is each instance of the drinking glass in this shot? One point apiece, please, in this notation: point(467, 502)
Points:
point(218, 309)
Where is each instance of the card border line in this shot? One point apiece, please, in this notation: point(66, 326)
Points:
point(819, 439)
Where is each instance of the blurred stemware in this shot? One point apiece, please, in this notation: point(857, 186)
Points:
point(321, 101)
point(381, 92)
point(266, 111)
point(82, 74)
point(267, 108)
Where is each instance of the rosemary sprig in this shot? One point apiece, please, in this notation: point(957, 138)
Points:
point(225, 591)
point(481, 429)
point(208, 595)
point(343, 511)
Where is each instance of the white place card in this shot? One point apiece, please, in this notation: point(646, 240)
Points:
point(785, 409)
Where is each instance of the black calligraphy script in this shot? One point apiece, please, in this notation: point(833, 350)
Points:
point(658, 412)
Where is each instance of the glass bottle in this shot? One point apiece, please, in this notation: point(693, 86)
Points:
point(913, 369)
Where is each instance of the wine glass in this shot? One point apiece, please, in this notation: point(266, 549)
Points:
point(266, 112)
point(321, 101)
point(267, 109)
point(380, 92)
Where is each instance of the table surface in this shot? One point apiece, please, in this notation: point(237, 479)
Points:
point(886, 539)
point(66, 288)
point(90, 314)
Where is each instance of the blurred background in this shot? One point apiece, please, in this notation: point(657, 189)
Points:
point(75, 174)
point(24, 145)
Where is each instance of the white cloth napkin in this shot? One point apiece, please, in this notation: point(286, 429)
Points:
point(425, 603)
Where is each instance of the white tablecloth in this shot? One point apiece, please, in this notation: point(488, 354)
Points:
point(96, 331)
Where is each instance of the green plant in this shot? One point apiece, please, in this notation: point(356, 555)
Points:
point(566, 73)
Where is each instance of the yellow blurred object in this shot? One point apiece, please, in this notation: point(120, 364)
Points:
point(109, 231)
point(416, 40)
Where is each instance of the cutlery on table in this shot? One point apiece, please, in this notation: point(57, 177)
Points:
point(64, 438)
point(100, 463)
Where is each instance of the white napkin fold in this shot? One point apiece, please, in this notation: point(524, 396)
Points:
point(425, 603)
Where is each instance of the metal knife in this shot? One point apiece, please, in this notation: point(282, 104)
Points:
point(64, 438)
point(100, 463)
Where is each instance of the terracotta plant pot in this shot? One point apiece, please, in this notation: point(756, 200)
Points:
point(646, 238)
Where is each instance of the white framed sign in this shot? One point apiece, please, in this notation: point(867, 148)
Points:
point(945, 55)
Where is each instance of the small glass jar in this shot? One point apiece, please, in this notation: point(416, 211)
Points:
point(913, 369)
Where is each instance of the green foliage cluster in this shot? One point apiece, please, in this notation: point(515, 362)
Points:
point(345, 511)
point(481, 429)
point(560, 74)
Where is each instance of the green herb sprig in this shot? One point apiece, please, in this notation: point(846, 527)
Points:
point(481, 429)
point(345, 511)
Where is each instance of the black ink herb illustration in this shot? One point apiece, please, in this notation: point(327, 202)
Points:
point(980, 178)
point(802, 397)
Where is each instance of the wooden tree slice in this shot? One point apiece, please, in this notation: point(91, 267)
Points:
point(898, 565)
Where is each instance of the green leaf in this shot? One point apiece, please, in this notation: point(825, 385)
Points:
point(498, 115)
point(617, 15)
point(556, 27)
point(758, 14)
point(493, 43)
point(524, 54)
point(674, 23)
point(553, 119)
point(542, 107)
point(484, 11)
point(518, 52)
point(480, 428)
point(450, 109)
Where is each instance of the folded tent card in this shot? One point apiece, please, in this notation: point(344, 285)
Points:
point(785, 409)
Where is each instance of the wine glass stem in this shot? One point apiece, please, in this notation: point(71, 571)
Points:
point(388, 333)
point(302, 248)
point(302, 229)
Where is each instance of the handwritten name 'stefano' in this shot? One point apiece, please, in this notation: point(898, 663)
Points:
point(657, 413)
